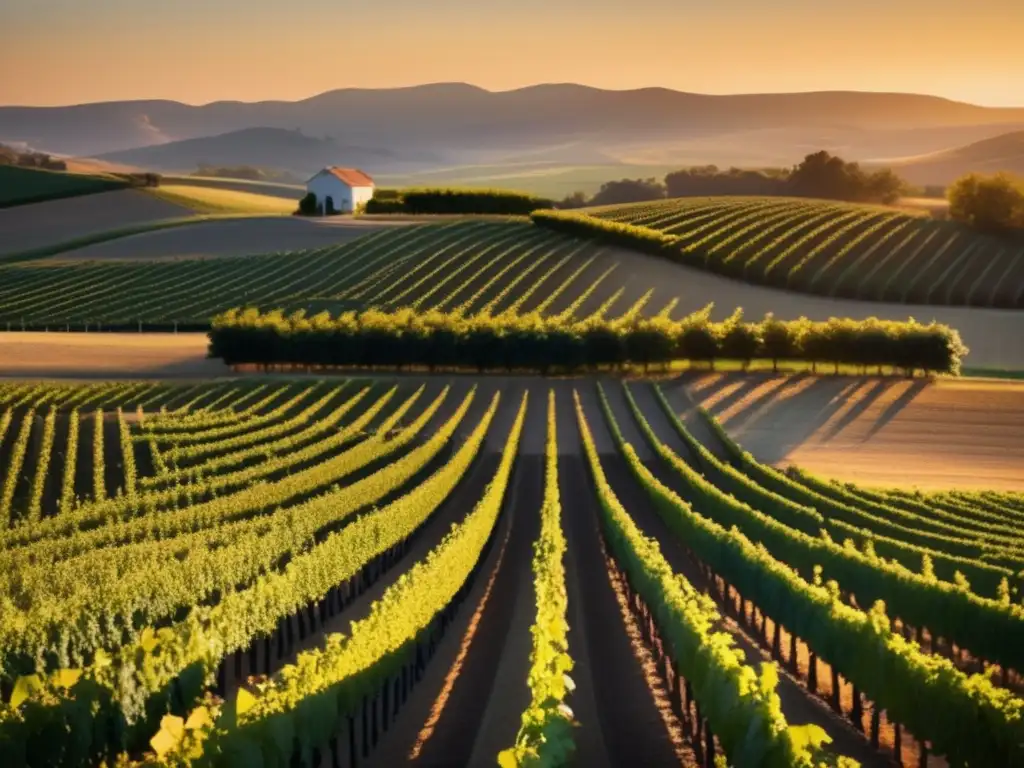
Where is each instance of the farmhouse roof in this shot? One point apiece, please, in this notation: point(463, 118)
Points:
point(351, 176)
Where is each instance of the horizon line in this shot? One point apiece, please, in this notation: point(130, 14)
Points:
point(548, 84)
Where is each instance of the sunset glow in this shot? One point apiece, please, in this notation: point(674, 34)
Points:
point(70, 52)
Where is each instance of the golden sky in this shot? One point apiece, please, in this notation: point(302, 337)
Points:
point(73, 51)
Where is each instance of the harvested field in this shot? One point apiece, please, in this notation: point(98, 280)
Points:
point(233, 237)
point(106, 355)
point(26, 227)
point(202, 199)
point(879, 432)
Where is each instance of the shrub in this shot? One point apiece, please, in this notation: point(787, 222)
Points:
point(533, 342)
point(308, 205)
point(988, 203)
point(454, 201)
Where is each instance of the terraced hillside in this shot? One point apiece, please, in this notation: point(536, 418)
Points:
point(347, 565)
point(837, 249)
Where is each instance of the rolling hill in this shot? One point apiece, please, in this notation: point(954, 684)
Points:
point(275, 148)
point(1000, 153)
point(827, 248)
point(19, 186)
point(569, 123)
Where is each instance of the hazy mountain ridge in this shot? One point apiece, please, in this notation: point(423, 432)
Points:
point(276, 148)
point(1000, 153)
point(454, 123)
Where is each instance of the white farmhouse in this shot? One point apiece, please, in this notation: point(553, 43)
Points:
point(347, 188)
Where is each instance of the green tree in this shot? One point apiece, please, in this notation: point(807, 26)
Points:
point(778, 340)
point(628, 191)
point(988, 203)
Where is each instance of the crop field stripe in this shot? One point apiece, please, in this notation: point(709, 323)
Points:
point(602, 310)
point(832, 225)
point(486, 248)
point(1007, 280)
point(960, 261)
point(14, 468)
point(919, 270)
point(564, 286)
point(41, 464)
point(726, 217)
point(570, 311)
point(285, 451)
point(424, 269)
point(836, 621)
point(506, 290)
point(523, 297)
point(486, 276)
point(328, 558)
point(700, 238)
point(967, 269)
point(528, 247)
point(898, 224)
point(861, 225)
point(405, 610)
point(807, 227)
point(852, 268)
point(882, 263)
point(252, 500)
point(763, 225)
point(636, 308)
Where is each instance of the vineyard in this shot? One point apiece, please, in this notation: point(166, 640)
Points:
point(373, 571)
point(834, 249)
point(473, 266)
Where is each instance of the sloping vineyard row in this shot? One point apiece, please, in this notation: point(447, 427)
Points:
point(850, 251)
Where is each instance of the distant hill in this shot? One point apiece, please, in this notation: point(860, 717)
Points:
point(1001, 153)
point(280, 149)
point(455, 123)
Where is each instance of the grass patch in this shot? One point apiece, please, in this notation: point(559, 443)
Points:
point(20, 186)
point(211, 200)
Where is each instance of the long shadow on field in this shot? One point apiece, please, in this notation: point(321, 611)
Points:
point(752, 408)
point(748, 383)
point(788, 423)
point(870, 395)
point(893, 409)
point(195, 368)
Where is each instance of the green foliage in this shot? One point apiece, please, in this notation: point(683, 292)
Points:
point(763, 558)
point(308, 205)
point(628, 191)
point(442, 200)
point(741, 705)
point(835, 249)
point(305, 700)
point(988, 203)
point(533, 342)
point(545, 737)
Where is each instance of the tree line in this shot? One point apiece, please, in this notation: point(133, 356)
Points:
point(531, 342)
point(443, 200)
point(993, 204)
point(820, 175)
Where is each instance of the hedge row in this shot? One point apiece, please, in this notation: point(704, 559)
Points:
point(453, 200)
point(532, 342)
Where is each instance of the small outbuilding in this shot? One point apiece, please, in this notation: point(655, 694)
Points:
point(340, 189)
